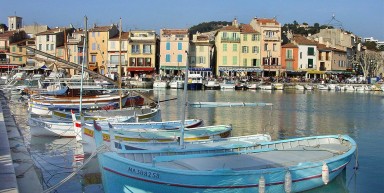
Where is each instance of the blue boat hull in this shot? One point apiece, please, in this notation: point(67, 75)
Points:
point(124, 175)
point(195, 86)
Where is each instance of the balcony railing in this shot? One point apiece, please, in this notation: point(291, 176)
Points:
point(271, 38)
point(230, 40)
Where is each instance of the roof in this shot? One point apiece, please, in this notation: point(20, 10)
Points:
point(174, 31)
point(301, 40)
point(246, 28)
point(289, 45)
point(7, 34)
point(124, 36)
point(230, 28)
point(266, 20)
point(52, 31)
point(100, 29)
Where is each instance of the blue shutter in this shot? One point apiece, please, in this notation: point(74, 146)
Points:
point(180, 46)
point(168, 46)
point(179, 58)
point(168, 58)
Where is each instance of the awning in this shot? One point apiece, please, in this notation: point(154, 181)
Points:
point(135, 69)
point(240, 69)
point(172, 67)
point(9, 66)
point(339, 72)
point(315, 72)
point(296, 73)
point(200, 69)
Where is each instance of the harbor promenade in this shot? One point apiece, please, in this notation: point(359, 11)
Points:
point(17, 169)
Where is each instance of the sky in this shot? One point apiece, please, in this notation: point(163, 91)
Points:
point(364, 18)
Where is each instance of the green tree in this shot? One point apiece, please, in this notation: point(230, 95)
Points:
point(5, 27)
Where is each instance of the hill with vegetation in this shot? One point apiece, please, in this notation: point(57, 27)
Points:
point(208, 26)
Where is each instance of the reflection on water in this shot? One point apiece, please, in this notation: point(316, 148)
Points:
point(294, 113)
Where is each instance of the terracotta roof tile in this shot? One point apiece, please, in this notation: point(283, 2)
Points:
point(246, 28)
point(52, 31)
point(174, 31)
point(301, 40)
point(100, 29)
point(124, 36)
point(230, 28)
point(289, 45)
point(267, 20)
point(7, 34)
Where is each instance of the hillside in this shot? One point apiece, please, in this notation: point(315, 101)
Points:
point(208, 26)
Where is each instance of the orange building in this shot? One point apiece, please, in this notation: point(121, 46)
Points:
point(289, 59)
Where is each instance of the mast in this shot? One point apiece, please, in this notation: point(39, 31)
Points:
point(184, 102)
point(120, 64)
point(85, 62)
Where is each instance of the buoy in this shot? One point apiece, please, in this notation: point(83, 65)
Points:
point(325, 174)
point(261, 184)
point(288, 182)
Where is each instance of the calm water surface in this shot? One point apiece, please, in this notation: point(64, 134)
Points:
point(294, 114)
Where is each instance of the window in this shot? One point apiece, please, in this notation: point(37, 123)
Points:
point(244, 62)
point(244, 49)
point(20, 59)
point(40, 46)
point(20, 49)
point(234, 47)
point(255, 49)
point(310, 63)
point(135, 49)
point(93, 58)
point(93, 46)
point(74, 59)
point(52, 47)
point(47, 47)
point(148, 62)
point(168, 46)
point(93, 34)
point(224, 47)
point(47, 38)
point(140, 61)
point(168, 58)
point(114, 60)
point(132, 61)
point(234, 36)
point(301, 55)
point(289, 65)
point(245, 37)
point(311, 51)
point(265, 61)
point(112, 45)
point(224, 60)
point(201, 59)
point(146, 48)
point(224, 34)
point(265, 47)
point(289, 54)
point(274, 47)
point(13, 48)
point(180, 46)
point(255, 37)
point(234, 60)
point(179, 58)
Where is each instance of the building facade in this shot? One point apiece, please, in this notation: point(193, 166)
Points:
point(200, 55)
point(141, 52)
point(14, 23)
point(174, 47)
point(289, 59)
point(270, 41)
point(98, 38)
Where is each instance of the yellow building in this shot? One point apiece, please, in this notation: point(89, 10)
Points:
point(200, 54)
point(98, 38)
point(237, 50)
point(141, 52)
point(270, 40)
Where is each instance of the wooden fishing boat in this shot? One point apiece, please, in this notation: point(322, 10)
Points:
point(153, 135)
point(291, 165)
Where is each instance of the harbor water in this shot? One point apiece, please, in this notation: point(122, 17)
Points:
point(293, 114)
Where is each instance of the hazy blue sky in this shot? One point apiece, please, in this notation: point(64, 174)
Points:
point(365, 18)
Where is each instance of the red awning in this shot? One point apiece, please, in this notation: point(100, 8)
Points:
point(9, 66)
point(132, 69)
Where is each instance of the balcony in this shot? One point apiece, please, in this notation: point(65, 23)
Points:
point(271, 38)
point(230, 40)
